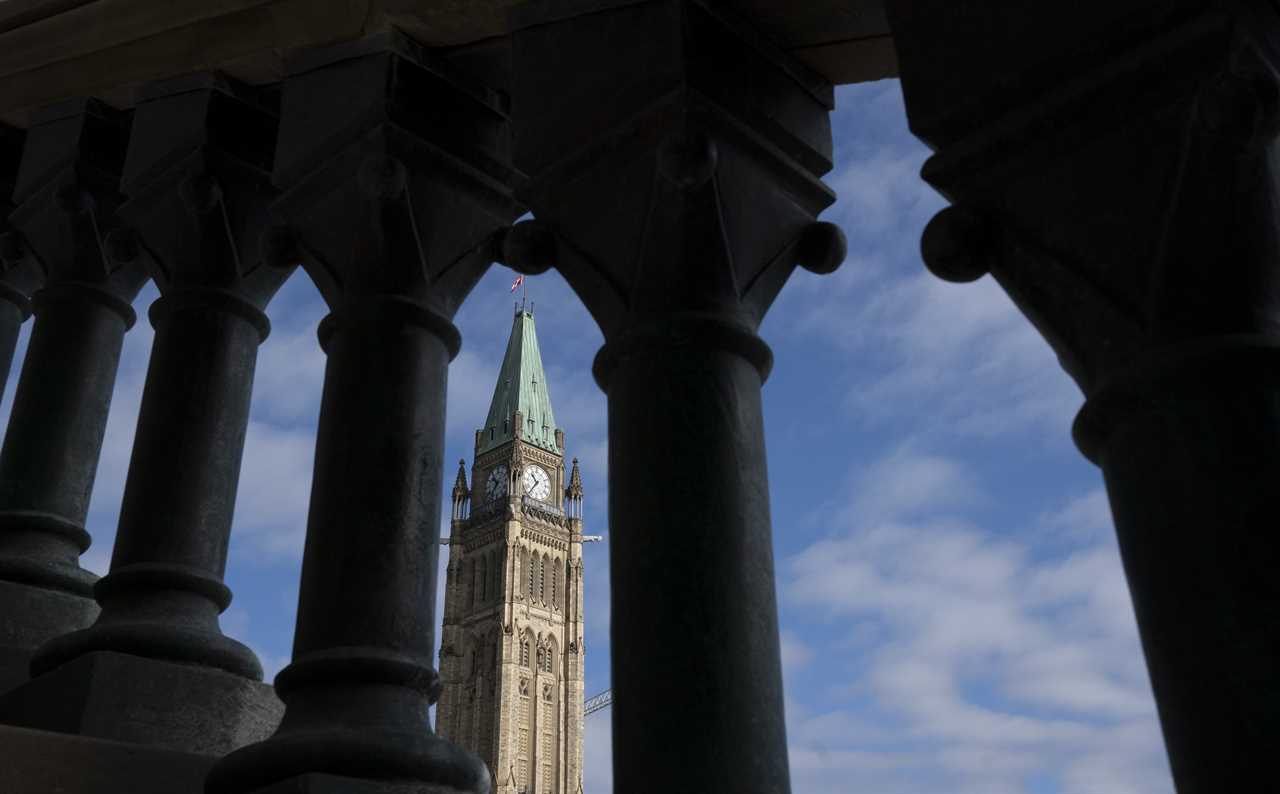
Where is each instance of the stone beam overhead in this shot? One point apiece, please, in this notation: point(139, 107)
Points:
point(52, 49)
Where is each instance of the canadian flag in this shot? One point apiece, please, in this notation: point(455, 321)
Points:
point(516, 284)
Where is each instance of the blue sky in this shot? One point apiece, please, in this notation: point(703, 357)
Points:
point(953, 610)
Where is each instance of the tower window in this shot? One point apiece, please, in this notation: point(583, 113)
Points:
point(491, 434)
point(524, 652)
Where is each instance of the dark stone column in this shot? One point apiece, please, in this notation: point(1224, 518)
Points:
point(678, 233)
point(1127, 202)
point(67, 192)
point(198, 174)
point(20, 274)
point(395, 187)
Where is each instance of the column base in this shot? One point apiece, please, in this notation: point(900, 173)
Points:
point(338, 784)
point(39, 762)
point(145, 701)
point(29, 617)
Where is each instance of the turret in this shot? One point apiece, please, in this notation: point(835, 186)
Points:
point(461, 494)
point(573, 494)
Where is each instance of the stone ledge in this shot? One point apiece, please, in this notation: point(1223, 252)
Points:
point(133, 699)
point(336, 784)
point(40, 762)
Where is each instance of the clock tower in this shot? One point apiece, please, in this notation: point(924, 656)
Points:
point(511, 645)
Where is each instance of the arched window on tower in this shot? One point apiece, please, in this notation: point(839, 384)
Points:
point(483, 582)
point(542, 578)
point(524, 652)
point(495, 574)
point(533, 572)
point(555, 582)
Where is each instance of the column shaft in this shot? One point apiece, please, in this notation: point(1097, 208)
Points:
point(697, 674)
point(362, 678)
point(370, 564)
point(1191, 476)
point(47, 468)
point(164, 593)
point(55, 432)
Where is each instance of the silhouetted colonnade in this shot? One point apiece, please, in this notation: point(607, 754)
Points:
point(1122, 191)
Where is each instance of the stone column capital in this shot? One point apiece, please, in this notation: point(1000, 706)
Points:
point(198, 177)
point(20, 273)
point(67, 191)
point(1152, 160)
point(634, 178)
point(400, 189)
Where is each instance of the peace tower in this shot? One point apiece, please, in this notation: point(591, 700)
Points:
point(511, 646)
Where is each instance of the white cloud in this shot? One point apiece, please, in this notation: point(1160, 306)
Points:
point(796, 653)
point(908, 483)
point(990, 663)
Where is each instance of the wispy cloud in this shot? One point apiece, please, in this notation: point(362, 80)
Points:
point(987, 664)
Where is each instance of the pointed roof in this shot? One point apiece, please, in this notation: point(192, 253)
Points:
point(575, 480)
point(460, 484)
point(522, 386)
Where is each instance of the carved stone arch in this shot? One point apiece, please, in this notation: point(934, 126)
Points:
point(554, 666)
point(523, 586)
point(524, 651)
point(557, 588)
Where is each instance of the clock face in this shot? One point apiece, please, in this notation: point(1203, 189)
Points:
point(496, 485)
point(536, 483)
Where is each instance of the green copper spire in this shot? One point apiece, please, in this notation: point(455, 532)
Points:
point(522, 386)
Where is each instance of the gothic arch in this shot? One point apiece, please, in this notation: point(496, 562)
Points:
point(525, 655)
point(553, 665)
point(557, 593)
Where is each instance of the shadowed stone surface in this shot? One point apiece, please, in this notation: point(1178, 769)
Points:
point(334, 784)
point(395, 184)
point(66, 192)
point(130, 699)
point(675, 155)
point(55, 763)
point(197, 173)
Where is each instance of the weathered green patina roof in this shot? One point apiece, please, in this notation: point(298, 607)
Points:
point(522, 386)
